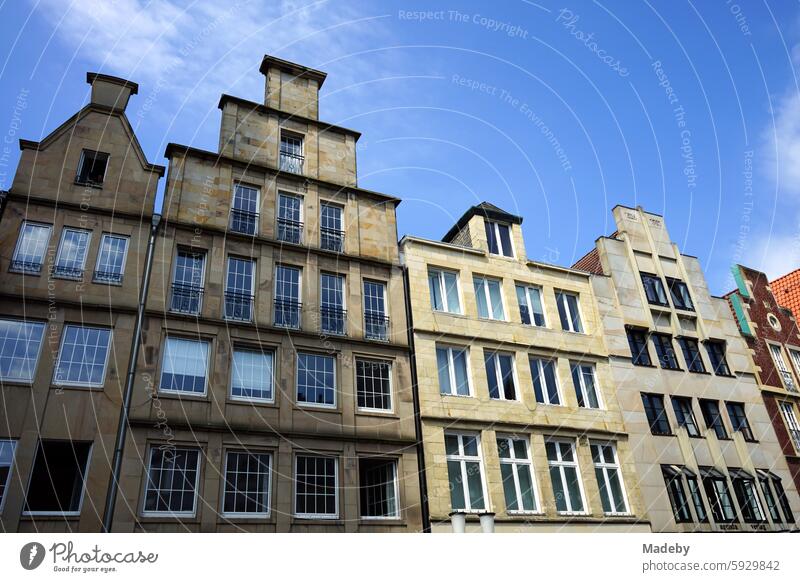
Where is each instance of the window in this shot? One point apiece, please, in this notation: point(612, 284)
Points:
point(57, 478)
point(498, 237)
point(20, 343)
point(565, 476)
point(531, 310)
point(488, 295)
point(716, 353)
point(772, 488)
point(239, 289)
point(716, 486)
point(783, 369)
point(111, 259)
point(187, 286)
point(697, 497)
point(172, 479)
point(252, 375)
point(316, 487)
point(795, 356)
point(691, 354)
point(333, 317)
point(7, 448)
point(244, 209)
point(792, 425)
point(515, 470)
point(679, 293)
point(569, 312)
point(374, 385)
point(744, 486)
point(739, 421)
point(444, 291)
point(664, 351)
point(83, 356)
point(290, 219)
point(183, 368)
point(465, 472)
point(71, 257)
point(92, 168)
point(316, 380)
point(684, 414)
point(654, 289)
point(583, 378)
point(331, 228)
point(676, 493)
point(609, 478)
point(291, 153)
point(500, 375)
point(377, 485)
point(637, 340)
point(545, 382)
point(31, 247)
point(453, 371)
point(376, 322)
point(656, 415)
point(713, 418)
point(287, 297)
point(247, 484)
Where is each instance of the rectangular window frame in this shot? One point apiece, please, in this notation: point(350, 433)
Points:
point(390, 364)
point(315, 516)
point(35, 364)
point(784, 372)
point(257, 350)
point(561, 465)
point(683, 408)
point(717, 427)
point(790, 420)
point(452, 371)
point(540, 369)
point(462, 458)
point(496, 355)
point(18, 248)
point(665, 351)
point(441, 284)
point(12, 445)
point(526, 290)
point(306, 404)
point(605, 467)
point(721, 367)
point(480, 284)
point(146, 484)
point(690, 348)
point(209, 358)
point(73, 384)
point(298, 301)
point(515, 463)
point(83, 257)
point(567, 316)
point(396, 486)
point(647, 397)
point(679, 294)
point(495, 226)
point(638, 340)
point(581, 390)
point(224, 486)
point(198, 288)
point(108, 281)
point(654, 289)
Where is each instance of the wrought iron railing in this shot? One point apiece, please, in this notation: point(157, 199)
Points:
point(331, 239)
point(26, 266)
point(238, 306)
point(290, 231)
point(243, 221)
point(333, 320)
point(291, 162)
point(376, 326)
point(107, 277)
point(287, 313)
point(186, 298)
point(64, 272)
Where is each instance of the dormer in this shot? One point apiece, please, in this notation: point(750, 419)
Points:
point(489, 228)
point(291, 88)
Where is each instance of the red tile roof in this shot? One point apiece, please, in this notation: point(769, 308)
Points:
point(787, 291)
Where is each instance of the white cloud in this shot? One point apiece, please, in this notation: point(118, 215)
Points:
point(775, 255)
point(782, 145)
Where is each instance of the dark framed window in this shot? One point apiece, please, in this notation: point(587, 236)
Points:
point(716, 354)
point(316, 489)
point(691, 354)
point(498, 237)
point(773, 490)
point(744, 486)
point(739, 421)
point(697, 497)
point(713, 418)
point(92, 168)
point(654, 289)
point(665, 351)
point(247, 480)
point(57, 478)
point(377, 485)
point(716, 486)
point(374, 385)
point(656, 414)
point(637, 340)
point(684, 414)
point(500, 375)
point(676, 493)
point(679, 293)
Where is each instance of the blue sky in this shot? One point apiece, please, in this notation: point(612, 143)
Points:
point(553, 110)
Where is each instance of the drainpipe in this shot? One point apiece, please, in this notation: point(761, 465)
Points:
point(423, 481)
point(122, 428)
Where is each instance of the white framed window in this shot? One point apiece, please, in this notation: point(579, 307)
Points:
point(465, 471)
point(244, 209)
point(83, 356)
point(516, 471)
point(20, 346)
point(316, 484)
point(291, 153)
point(531, 308)
point(792, 424)
point(316, 380)
point(498, 237)
point(92, 168)
point(31, 247)
point(500, 375)
point(443, 286)
point(184, 367)
point(247, 484)
point(794, 355)
point(290, 218)
point(565, 475)
point(545, 381)
point(252, 375)
point(240, 289)
point(331, 227)
point(378, 488)
point(584, 379)
point(287, 296)
point(58, 475)
point(173, 477)
point(333, 308)
point(374, 385)
point(72, 251)
point(187, 281)
point(111, 258)
point(783, 369)
point(489, 296)
point(609, 478)
point(569, 311)
point(453, 364)
point(7, 450)
point(376, 319)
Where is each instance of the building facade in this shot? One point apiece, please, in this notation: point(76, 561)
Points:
point(517, 405)
point(706, 454)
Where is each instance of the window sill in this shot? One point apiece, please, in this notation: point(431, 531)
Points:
point(643, 365)
point(701, 372)
point(574, 513)
point(678, 369)
point(60, 515)
point(244, 518)
point(376, 413)
point(522, 514)
point(663, 434)
point(166, 516)
point(26, 273)
point(181, 396)
point(320, 407)
point(86, 387)
point(247, 402)
point(94, 185)
point(456, 395)
point(449, 313)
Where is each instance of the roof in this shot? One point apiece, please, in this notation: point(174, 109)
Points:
point(485, 209)
point(92, 77)
point(786, 290)
point(293, 68)
point(590, 262)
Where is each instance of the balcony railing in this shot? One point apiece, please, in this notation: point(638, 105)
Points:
point(788, 380)
point(107, 277)
point(332, 320)
point(376, 326)
point(291, 162)
point(795, 434)
point(64, 272)
point(243, 221)
point(331, 239)
point(238, 306)
point(186, 298)
point(290, 231)
point(26, 266)
point(287, 313)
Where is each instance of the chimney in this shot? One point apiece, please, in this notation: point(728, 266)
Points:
point(291, 88)
point(111, 92)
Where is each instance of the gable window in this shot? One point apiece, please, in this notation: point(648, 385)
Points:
point(792, 425)
point(111, 259)
point(716, 486)
point(691, 354)
point(92, 168)
point(531, 310)
point(287, 297)
point(713, 418)
point(290, 218)
point(716, 353)
point(453, 368)
point(609, 478)
point(72, 251)
point(83, 356)
point(376, 321)
point(184, 366)
point(665, 351)
point(568, 312)
point(244, 209)
point(173, 475)
point(247, 484)
point(656, 414)
point(57, 477)
point(31, 247)
point(515, 470)
point(684, 414)
point(465, 471)
point(7, 448)
point(500, 375)
point(583, 378)
point(498, 237)
point(772, 487)
point(291, 153)
point(187, 282)
point(744, 486)
point(316, 380)
point(239, 289)
point(252, 375)
point(377, 485)
point(783, 369)
point(489, 297)
point(739, 421)
point(545, 382)
point(333, 316)
point(679, 293)
point(331, 228)
point(565, 476)
point(654, 289)
point(676, 493)
point(20, 343)
point(374, 385)
point(444, 290)
point(637, 340)
point(316, 487)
